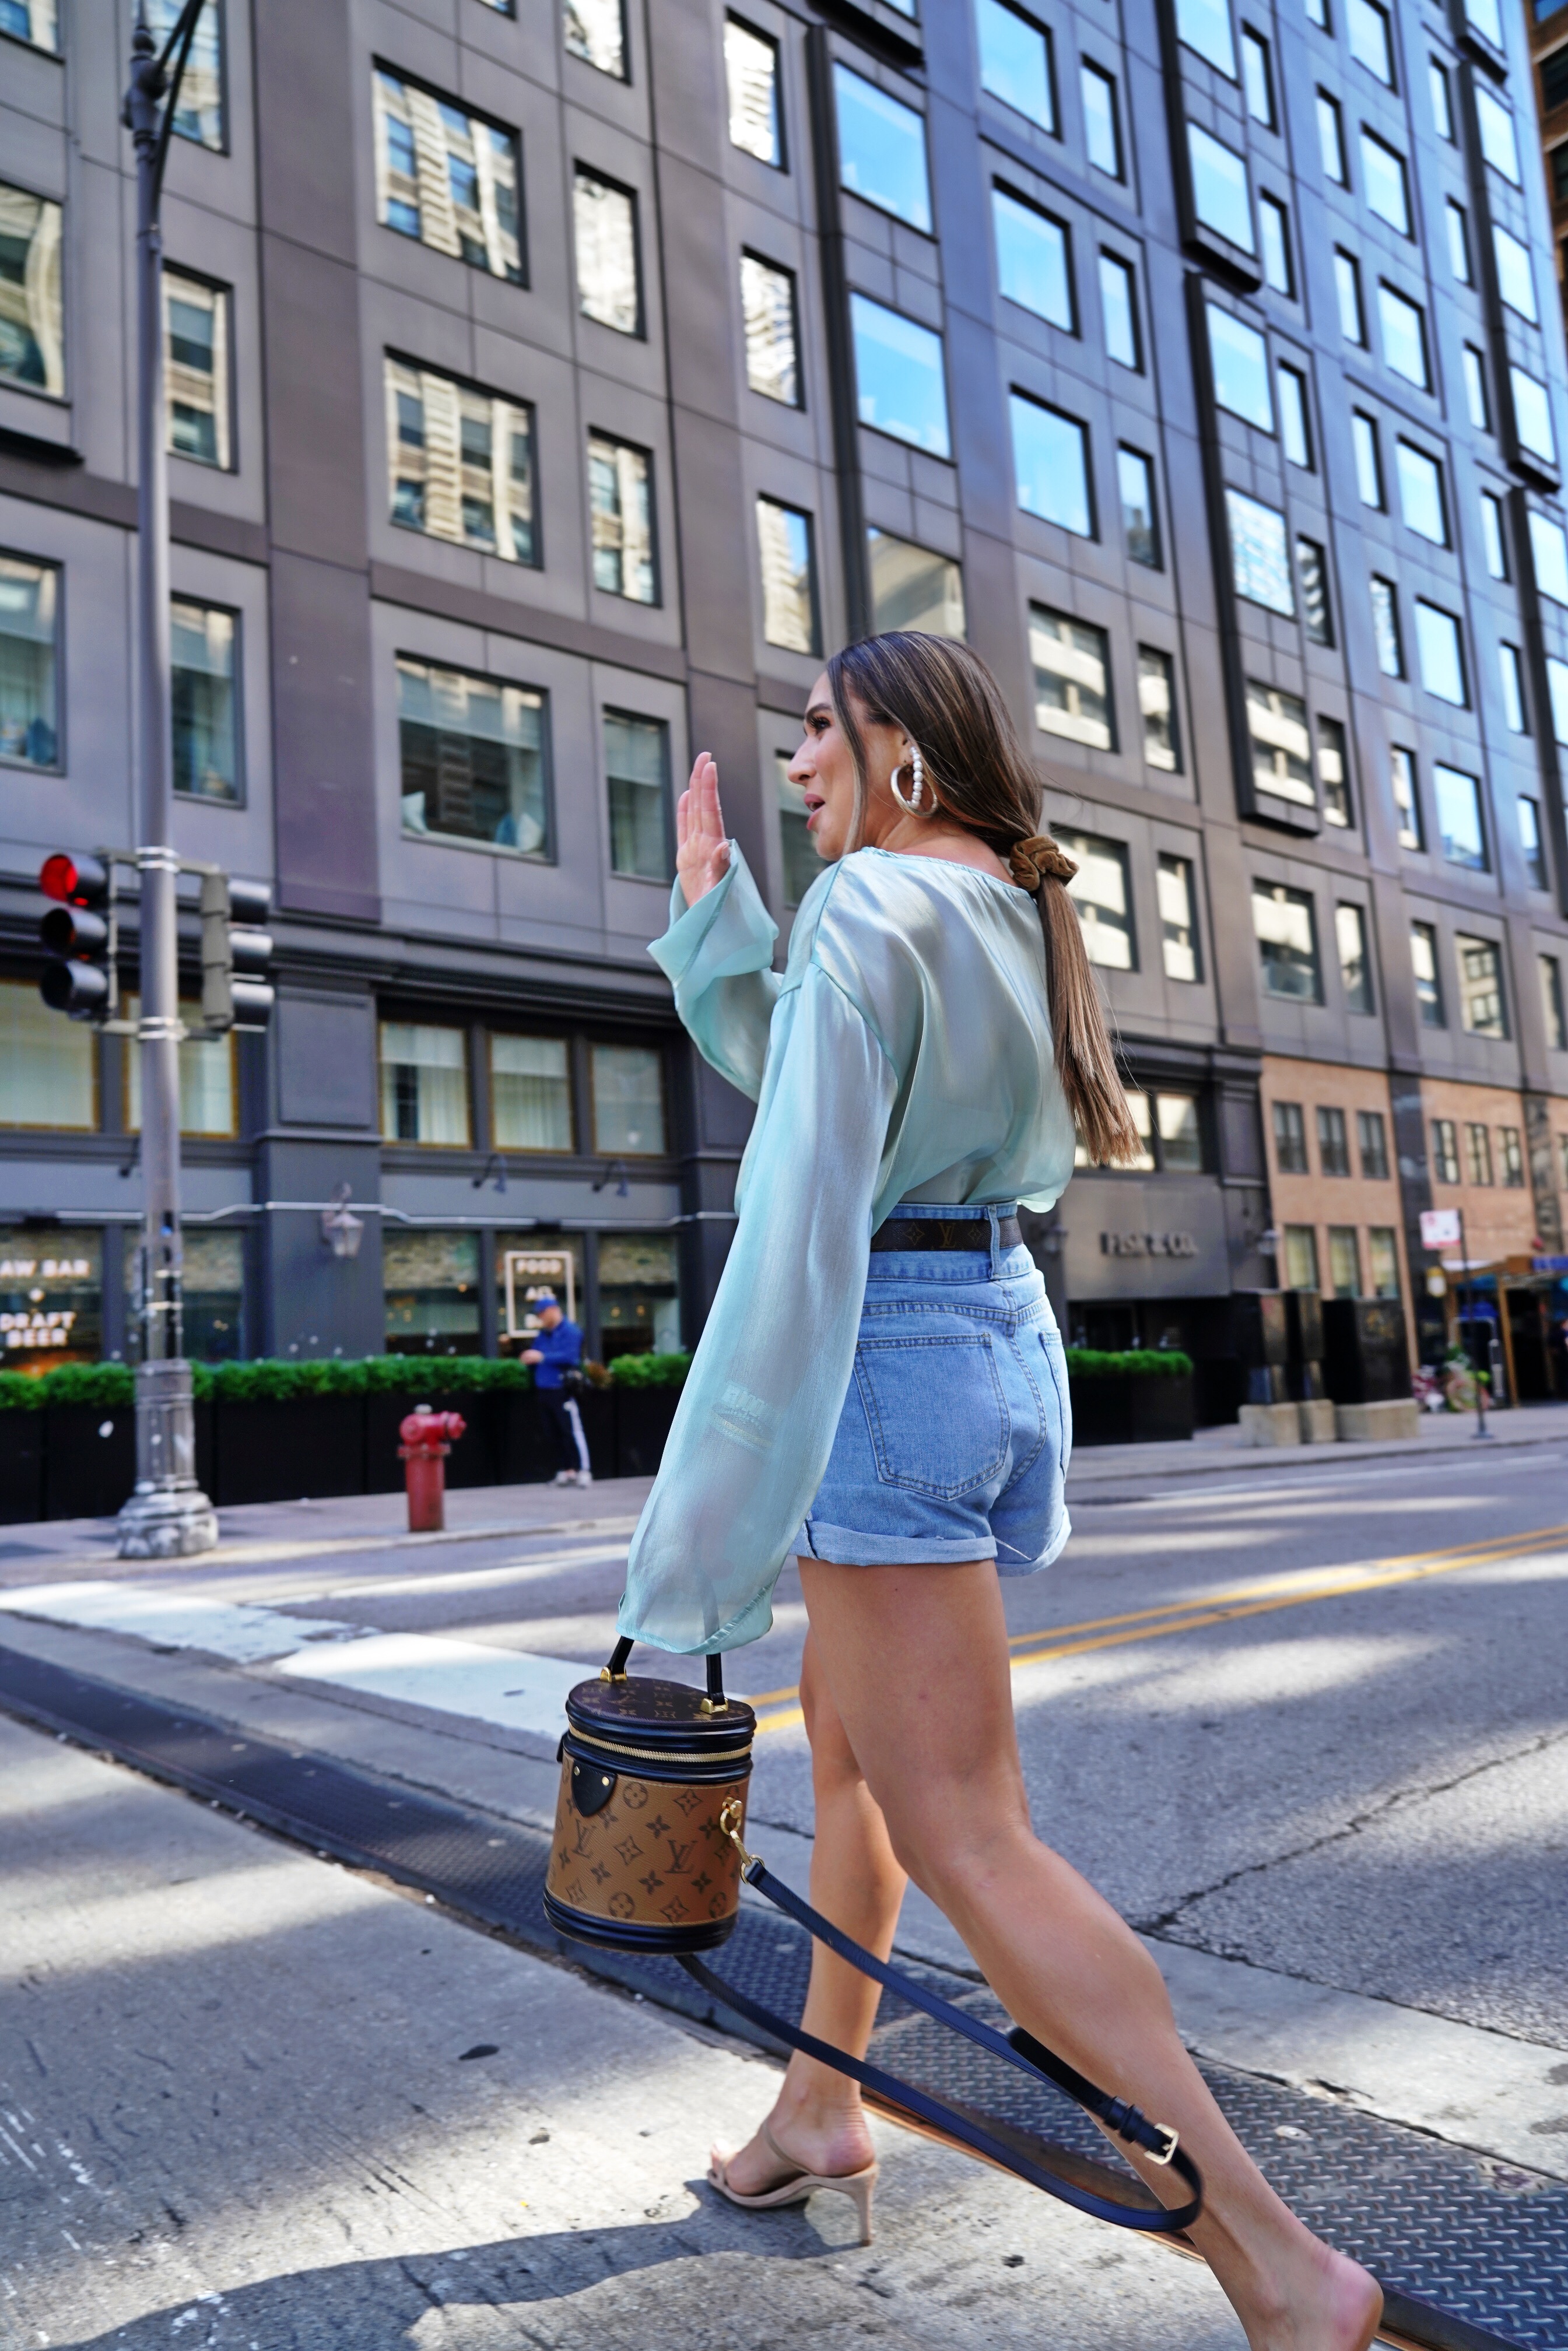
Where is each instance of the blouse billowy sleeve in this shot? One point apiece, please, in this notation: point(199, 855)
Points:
point(717, 957)
point(757, 1419)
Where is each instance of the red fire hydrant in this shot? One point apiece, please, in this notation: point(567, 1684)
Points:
point(427, 1438)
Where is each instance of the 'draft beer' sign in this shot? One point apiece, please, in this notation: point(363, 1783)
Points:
point(50, 1301)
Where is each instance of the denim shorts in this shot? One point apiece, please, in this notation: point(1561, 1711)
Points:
point(955, 1435)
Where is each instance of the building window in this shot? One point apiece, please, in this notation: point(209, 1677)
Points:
point(1140, 517)
point(1178, 917)
point(1499, 144)
point(32, 345)
point(605, 232)
point(1295, 436)
point(1533, 414)
point(1333, 772)
point(772, 342)
point(1475, 403)
point(1515, 275)
point(37, 22)
point(1549, 555)
point(204, 689)
point(637, 770)
point(1372, 1142)
point(1289, 1139)
point(1101, 892)
point(1492, 537)
point(1512, 1157)
point(1333, 1141)
point(1387, 191)
point(1034, 266)
point(596, 32)
point(1386, 628)
point(1366, 25)
point(801, 863)
point(196, 369)
point(1511, 676)
point(1072, 679)
point(910, 588)
point(447, 177)
point(1280, 746)
point(1102, 132)
point(1221, 197)
point(1301, 1257)
point(900, 383)
point(1204, 26)
point(1311, 571)
point(1445, 1151)
point(1180, 1132)
point(1404, 328)
point(530, 1094)
point(620, 498)
point(1354, 964)
point(1330, 139)
point(788, 577)
point(1274, 227)
point(1347, 290)
point(208, 1103)
point(200, 114)
point(751, 76)
point(1481, 1007)
point(47, 1066)
point(461, 464)
point(628, 1083)
point(1345, 1261)
point(1551, 1003)
point(638, 1294)
point(1441, 653)
point(473, 756)
point(29, 621)
point(430, 1283)
point(1459, 827)
point(1383, 1250)
point(1557, 689)
point(1256, 79)
point(1287, 943)
point(1477, 1153)
point(1050, 454)
point(1260, 553)
point(1407, 799)
point(1458, 241)
point(1158, 707)
point(1368, 462)
point(1119, 310)
point(1239, 359)
point(881, 150)
point(424, 1084)
point(1554, 80)
point(1421, 499)
point(1016, 63)
point(1428, 980)
point(1442, 102)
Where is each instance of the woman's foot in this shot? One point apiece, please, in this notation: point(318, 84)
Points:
point(1326, 2302)
point(829, 2145)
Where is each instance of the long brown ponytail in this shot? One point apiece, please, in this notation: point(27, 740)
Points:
point(945, 699)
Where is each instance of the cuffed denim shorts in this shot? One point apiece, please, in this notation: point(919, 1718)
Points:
point(954, 1440)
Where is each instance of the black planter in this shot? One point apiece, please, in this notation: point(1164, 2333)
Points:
point(89, 1458)
point(475, 1457)
point(21, 1468)
point(642, 1417)
point(1132, 1408)
point(286, 1451)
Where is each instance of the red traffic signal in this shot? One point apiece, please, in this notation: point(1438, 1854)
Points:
point(79, 978)
point(75, 881)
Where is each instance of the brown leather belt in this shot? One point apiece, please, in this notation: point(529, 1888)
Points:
point(915, 1233)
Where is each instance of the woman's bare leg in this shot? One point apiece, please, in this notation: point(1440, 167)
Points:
point(857, 1883)
point(916, 1661)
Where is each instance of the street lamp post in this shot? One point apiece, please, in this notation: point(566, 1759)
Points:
point(168, 1516)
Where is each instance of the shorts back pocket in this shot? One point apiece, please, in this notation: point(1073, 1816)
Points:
point(935, 1408)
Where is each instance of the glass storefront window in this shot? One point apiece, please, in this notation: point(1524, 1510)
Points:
point(213, 1295)
point(638, 1294)
point(474, 759)
point(446, 177)
point(51, 1298)
point(621, 503)
point(527, 1265)
point(530, 1094)
point(47, 1066)
point(208, 1102)
point(460, 462)
point(788, 577)
point(628, 1100)
point(424, 1084)
point(196, 365)
point(431, 1281)
point(910, 588)
point(203, 694)
point(604, 226)
point(200, 116)
point(29, 605)
point(32, 344)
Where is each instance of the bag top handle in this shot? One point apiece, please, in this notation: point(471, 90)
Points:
point(715, 1702)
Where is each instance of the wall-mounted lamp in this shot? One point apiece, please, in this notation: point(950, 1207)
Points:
point(499, 1164)
point(341, 1231)
point(612, 1167)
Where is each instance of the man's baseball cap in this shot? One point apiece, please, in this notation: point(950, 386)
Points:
point(546, 1297)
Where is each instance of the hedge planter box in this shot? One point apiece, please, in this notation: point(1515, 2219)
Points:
point(21, 1468)
point(1131, 1407)
point(89, 1458)
point(642, 1417)
point(287, 1450)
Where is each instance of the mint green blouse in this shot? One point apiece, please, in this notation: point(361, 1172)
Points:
point(904, 1054)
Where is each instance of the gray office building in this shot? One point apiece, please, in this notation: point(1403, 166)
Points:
point(551, 383)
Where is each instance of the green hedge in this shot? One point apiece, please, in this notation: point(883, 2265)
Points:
point(110, 1386)
point(650, 1371)
point(1130, 1363)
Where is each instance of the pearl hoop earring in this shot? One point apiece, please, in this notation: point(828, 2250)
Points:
point(914, 804)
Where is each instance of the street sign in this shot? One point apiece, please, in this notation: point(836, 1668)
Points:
point(1440, 1229)
point(526, 1273)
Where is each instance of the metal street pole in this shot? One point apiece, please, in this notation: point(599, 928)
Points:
point(168, 1516)
point(1468, 1298)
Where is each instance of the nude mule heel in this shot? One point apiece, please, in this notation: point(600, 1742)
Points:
point(858, 2186)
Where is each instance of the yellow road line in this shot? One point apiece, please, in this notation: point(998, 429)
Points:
point(1255, 1600)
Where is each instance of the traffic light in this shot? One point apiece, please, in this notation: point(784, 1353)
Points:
point(79, 978)
point(236, 954)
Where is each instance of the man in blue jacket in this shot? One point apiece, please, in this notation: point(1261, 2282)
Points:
point(556, 1356)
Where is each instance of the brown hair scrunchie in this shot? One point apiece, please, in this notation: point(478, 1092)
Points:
point(1039, 858)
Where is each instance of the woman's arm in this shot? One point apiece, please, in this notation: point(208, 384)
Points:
point(717, 953)
point(756, 1422)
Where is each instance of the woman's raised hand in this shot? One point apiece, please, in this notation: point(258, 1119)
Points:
point(702, 853)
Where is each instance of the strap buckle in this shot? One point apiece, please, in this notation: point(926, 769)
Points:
point(1166, 2153)
point(730, 1815)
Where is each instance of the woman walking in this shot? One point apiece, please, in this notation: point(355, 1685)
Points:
point(881, 1391)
